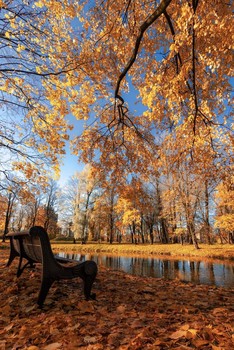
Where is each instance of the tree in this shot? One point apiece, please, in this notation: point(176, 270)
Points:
point(87, 184)
point(3, 208)
point(10, 196)
point(129, 205)
point(50, 216)
point(183, 193)
point(224, 220)
point(67, 202)
point(180, 61)
point(32, 126)
point(103, 216)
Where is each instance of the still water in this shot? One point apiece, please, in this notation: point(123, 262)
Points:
point(198, 272)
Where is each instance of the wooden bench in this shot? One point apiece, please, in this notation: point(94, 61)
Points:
point(34, 247)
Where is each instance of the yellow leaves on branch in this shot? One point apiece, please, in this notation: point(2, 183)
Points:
point(58, 7)
point(129, 213)
point(169, 87)
point(83, 102)
point(224, 219)
point(27, 168)
point(225, 222)
point(39, 4)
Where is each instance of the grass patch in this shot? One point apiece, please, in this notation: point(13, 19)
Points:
point(217, 251)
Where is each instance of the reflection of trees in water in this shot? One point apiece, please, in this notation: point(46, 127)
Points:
point(184, 266)
point(210, 268)
point(114, 263)
point(193, 271)
point(165, 268)
point(171, 269)
point(138, 266)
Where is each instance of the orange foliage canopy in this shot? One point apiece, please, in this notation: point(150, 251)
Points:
point(86, 57)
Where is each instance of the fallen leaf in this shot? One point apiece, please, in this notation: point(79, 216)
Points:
point(121, 308)
point(53, 346)
point(9, 327)
point(178, 334)
point(90, 340)
point(31, 308)
point(185, 327)
point(191, 333)
point(219, 310)
point(85, 306)
point(95, 347)
point(199, 342)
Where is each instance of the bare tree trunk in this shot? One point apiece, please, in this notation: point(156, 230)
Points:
point(132, 235)
point(142, 231)
point(192, 234)
point(164, 231)
point(11, 199)
point(111, 218)
point(231, 238)
point(151, 234)
point(207, 221)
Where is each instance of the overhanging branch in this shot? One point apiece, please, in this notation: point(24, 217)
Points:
point(151, 19)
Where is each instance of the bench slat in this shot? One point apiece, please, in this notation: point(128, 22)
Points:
point(32, 248)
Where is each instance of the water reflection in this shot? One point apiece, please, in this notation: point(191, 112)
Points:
point(199, 272)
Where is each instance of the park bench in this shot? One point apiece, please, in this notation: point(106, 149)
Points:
point(34, 247)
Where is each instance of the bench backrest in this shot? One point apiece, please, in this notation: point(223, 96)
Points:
point(32, 247)
point(33, 244)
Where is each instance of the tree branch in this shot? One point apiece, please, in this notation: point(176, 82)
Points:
point(151, 19)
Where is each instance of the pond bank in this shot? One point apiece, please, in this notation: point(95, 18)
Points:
point(216, 251)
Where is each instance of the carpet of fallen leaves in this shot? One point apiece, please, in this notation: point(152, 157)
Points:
point(130, 313)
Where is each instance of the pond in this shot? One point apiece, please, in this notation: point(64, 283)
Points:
point(198, 272)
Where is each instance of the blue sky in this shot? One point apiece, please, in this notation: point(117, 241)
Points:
point(70, 163)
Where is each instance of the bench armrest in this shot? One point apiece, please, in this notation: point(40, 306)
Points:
point(17, 234)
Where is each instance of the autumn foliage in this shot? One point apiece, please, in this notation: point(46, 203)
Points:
point(90, 62)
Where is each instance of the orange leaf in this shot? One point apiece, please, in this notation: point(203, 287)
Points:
point(53, 346)
point(178, 334)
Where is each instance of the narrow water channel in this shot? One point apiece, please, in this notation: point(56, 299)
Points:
point(199, 272)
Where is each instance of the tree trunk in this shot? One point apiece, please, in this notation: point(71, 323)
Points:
point(231, 238)
point(192, 234)
point(132, 236)
point(151, 234)
point(207, 221)
point(142, 231)
point(134, 232)
point(8, 215)
point(111, 236)
point(164, 231)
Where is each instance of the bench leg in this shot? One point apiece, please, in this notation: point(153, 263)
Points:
point(46, 283)
point(88, 283)
point(13, 255)
point(90, 275)
point(21, 269)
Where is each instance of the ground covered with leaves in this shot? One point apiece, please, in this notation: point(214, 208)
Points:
point(130, 313)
